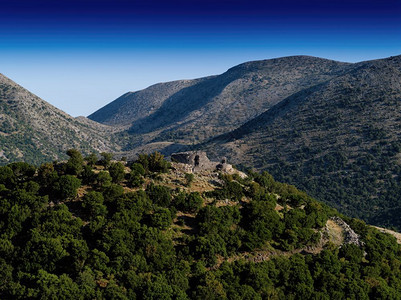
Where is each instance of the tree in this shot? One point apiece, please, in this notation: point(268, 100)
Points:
point(66, 186)
point(91, 159)
point(92, 203)
point(6, 176)
point(188, 202)
point(106, 159)
point(154, 162)
point(75, 163)
point(161, 218)
point(47, 175)
point(103, 179)
point(22, 171)
point(87, 175)
point(159, 195)
point(138, 168)
point(117, 172)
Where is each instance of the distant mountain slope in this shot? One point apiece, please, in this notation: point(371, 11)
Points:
point(35, 131)
point(214, 105)
point(135, 105)
point(340, 141)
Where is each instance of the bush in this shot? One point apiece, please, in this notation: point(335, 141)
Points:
point(189, 178)
point(138, 168)
point(135, 177)
point(91, 159)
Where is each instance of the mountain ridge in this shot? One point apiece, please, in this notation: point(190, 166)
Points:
point(221, 103)
point(36, 131)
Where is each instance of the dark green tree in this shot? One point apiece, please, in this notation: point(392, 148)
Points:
point(66, 187)
point(117, 172)
point(74, 165)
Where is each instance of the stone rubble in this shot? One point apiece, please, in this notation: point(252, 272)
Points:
point(350, 237)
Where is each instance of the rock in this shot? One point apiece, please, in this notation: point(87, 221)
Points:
point(350, 237)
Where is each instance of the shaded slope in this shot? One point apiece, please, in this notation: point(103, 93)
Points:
point(215, 105)
point(339, 140)
point(135, 105)
point(35, 131)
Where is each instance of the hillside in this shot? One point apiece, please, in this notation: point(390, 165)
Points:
point(101, 229)
point(133, 106)
point(327, 127)
point(35, 131)
point(187, 112)
point(339, 141)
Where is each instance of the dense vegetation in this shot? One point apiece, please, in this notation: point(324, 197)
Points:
point(92, 228)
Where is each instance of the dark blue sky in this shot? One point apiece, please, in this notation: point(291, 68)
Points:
point(80, 55)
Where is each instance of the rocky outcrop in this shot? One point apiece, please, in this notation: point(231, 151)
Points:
point(350, 237)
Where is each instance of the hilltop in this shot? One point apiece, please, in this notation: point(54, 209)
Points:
point(95, 228)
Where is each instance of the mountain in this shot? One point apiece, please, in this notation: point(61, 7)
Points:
point(328, 127)
point(191, 111)
point(339, 140)
point(133, 106)
point(35, 131)
point(151, 230)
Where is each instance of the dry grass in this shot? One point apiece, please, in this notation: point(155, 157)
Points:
point(335, 233)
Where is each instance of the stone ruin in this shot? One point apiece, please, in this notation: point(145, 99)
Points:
point(199, 161)
point(350, 236)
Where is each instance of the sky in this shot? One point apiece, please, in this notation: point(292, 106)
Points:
point(79, 55)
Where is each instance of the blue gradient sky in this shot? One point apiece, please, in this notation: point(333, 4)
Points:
point(80, 55)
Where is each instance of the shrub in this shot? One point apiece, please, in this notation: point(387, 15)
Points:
point(189, 178)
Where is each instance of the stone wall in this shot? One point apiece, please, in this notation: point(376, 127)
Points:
point(199, 161)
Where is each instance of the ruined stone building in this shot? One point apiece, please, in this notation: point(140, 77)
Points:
point(199, 161)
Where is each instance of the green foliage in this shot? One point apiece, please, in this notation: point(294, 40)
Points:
point(189, 178)
point(190, 203)
point(231, 189)
point(74, 164)
point(110, 243)
point(92, 203)
point(106, 159)
point(161, 218)
point(116, 171)
point(135, 178)
point(154, 162)
point(91, 159)
point(66, 187)
point(261, 222)
point(103, 179)
point(159, 195)
point(138, 168)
